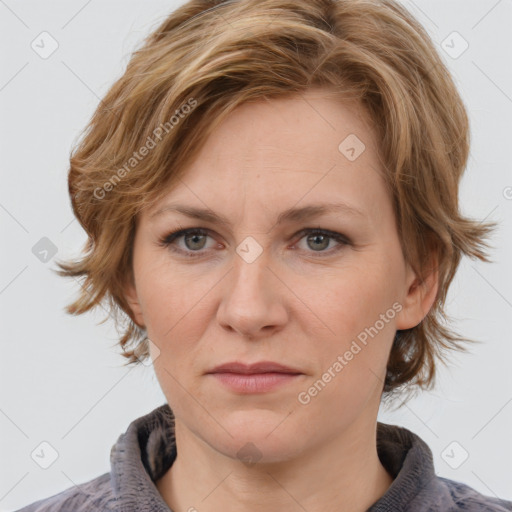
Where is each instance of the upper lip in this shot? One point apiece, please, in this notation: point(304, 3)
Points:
point(260, 367)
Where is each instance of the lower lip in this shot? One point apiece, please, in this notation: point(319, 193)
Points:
point(256, 382)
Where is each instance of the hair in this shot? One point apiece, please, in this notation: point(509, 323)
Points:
point(208, 57)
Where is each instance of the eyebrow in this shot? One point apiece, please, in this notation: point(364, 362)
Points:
point(290, 215)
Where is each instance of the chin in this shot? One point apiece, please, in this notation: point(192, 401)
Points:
point(251, 450)
point(257, 436)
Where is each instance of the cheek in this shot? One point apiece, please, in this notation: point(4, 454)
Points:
point(176, 310)
point(356, 307)
point(164, 294)
point(351, 299)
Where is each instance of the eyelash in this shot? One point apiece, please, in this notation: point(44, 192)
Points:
point(168, 240)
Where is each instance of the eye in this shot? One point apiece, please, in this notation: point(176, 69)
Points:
point(320, 239)
point(194, 241)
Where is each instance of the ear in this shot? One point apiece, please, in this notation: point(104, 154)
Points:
point(419, 298)
point(132, 298)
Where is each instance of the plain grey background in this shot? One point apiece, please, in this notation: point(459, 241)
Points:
point(62, 380)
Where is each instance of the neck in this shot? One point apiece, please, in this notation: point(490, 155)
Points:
point(343, 474)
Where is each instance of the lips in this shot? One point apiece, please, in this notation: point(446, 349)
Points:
point(255, 368)
point(261, 377)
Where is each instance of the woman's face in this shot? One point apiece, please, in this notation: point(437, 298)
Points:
point(263, 285)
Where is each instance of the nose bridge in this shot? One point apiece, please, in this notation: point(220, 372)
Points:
point(250, 274)
point(251, 300)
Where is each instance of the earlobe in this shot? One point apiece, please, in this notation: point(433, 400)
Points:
point(419, 298)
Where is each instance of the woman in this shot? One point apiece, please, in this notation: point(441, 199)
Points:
point(270, 193)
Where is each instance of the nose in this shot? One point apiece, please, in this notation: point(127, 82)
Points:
point(253, 302)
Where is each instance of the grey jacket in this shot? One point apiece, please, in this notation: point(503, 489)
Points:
point(147, 449)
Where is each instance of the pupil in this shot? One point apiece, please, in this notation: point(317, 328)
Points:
point(322, 238)
point(194, 240)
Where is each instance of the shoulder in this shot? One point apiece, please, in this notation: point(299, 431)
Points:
point(461, 497)
point(94, 495)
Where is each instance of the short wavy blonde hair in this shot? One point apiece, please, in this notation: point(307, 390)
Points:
point(208, 57)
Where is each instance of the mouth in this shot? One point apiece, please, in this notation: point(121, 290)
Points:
point(255, 368)
point(254, 378)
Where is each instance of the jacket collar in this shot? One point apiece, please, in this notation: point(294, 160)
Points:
point(147, 449)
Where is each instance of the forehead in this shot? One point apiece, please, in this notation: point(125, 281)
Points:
point(312, 125)
point(311, 147)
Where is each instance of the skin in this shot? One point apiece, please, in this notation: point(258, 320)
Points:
point(300, 303)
